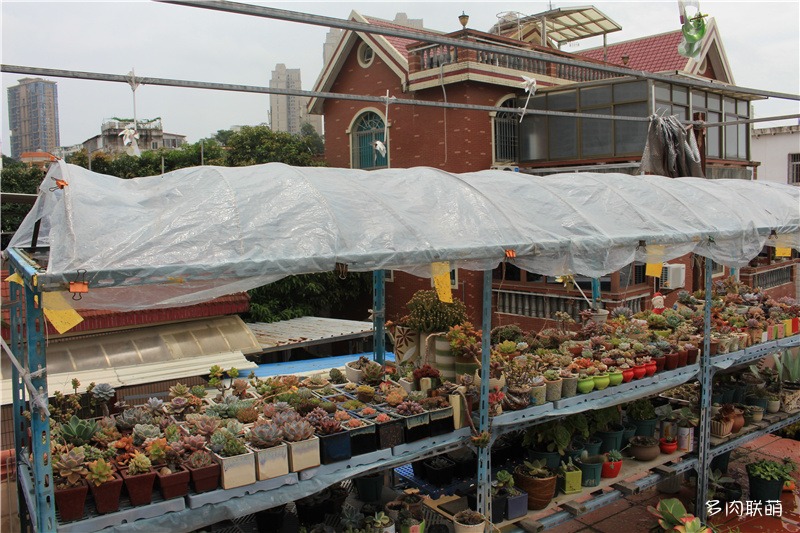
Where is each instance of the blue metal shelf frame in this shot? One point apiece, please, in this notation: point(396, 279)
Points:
point(32, 355)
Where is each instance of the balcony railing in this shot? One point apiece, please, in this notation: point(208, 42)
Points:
point(434, 56)
point(537, 305)
point(773, 278)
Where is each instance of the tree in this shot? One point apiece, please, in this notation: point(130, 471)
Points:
point(254, 145)
point(18, 178)
point(313, 138)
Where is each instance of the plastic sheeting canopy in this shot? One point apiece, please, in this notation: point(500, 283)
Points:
point(201, 232)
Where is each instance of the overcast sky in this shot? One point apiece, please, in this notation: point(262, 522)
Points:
point(161, 40)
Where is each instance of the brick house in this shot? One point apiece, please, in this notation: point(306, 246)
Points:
point(464, 140)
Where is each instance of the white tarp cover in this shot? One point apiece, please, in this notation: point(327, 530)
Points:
point(201, 232)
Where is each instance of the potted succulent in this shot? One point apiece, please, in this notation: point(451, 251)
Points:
point(644, 448)
point(409, 523)
point(516, 501)
point(70, 486)
point(591, 468)
point(469, 521)
point(717, 486)
point(612, 465)
point(440, 471)
point(721, 424)
point(606, 423)
point(354, 370)
point(204, 471)
point(393, 509)
point(536, 479)
point(773, 403)
point(389, 429)
point(139, 479)
point(569, 385)
point(672, 516)
point(303, 445)
point(585, 383)
point(173, 478)
point(668, 445)
point(569, 477)
point(767, 477)
point(554, 383)
point(642, 414)
point(548, 441)
point(379, 523)
point(417, 420)
point(271, 453)
point(369, 487)
point(105, 485)
point(334, 441)
point(236, 462)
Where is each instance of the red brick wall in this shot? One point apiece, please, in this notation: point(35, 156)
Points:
point(417, 135)
point(469, 290)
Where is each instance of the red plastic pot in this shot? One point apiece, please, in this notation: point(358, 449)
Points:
point(639, 371)
point(650, 368)
point(672, 361)
point(668, 447)
point(627, 375)
point(611, 469)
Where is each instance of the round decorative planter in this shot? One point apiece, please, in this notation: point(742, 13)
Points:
point(738, 421)
point(540, 490)
point(773, 406)
point(611, 469)
point(650, 368)
point(643, 451)
point(614, 378)
point(639, 371)
point(601, 381)
point(569, 386)
point(627, 375)
point(553, 390)
point(668, 447)
point(586, 385)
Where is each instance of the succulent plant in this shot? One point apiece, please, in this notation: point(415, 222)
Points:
point(139, 464)
point(78, 431)
point(198, 391)
point(204, 425)
point(156, 449)
point(328, 407)
point(283, 417)
point(132, 416)
point(247, 415)
point(233, 426)
point(354, 423)
point(154, 405)
point(192, 443)
point(396, 396)
point(106, 431)
point(218, 440)
point(383, 417)
point(336, 376)
point(233, 446)
point(373, 373)
point(329, 426)
point(142, 432)
point(177, 406)
point(200, 459)
point(351, 518)
point(409, 408)
point(172, 432)
point(342, 416)
point(70, 467)
point(297, 430)
point(380, 520)
point(179, 390)
point(99, 472)
point(315, 416)
point(265, 435)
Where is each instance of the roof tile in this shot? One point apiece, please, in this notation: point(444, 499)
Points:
point(656, 53)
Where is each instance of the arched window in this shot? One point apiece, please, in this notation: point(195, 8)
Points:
point(506, 134)
point(367, 129)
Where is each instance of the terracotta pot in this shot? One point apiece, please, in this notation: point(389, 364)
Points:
point(71, 501)
point(683, 356)
point(204, 479)
point(691, 355)
point(660, 361)
point(540, 490)
point(738, 421)
point(672, 361)
point(174, 485)
point(106, 496)
point(139, 486)
point(643, 452)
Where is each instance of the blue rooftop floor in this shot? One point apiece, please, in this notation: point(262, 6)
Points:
point(310, 365)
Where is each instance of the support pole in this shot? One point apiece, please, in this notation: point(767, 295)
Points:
point(595, 293)
point(484, 454)
point(17, 385)
point(379, 315)
point(706, 373)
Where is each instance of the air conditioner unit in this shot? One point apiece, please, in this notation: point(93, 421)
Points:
point(673, 277)
point(507, 168)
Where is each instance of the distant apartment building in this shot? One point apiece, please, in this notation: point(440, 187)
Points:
point(778, 150)
point(33, 116)
point(289, 113)
point(331, 42)
point(151, 136)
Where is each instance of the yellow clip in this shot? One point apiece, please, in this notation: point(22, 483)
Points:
point(511, 254)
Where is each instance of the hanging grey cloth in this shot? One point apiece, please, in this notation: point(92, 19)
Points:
point(671, 149)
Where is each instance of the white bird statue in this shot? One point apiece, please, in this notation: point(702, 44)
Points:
point(529, 84)
point(379, 147)
point(129, 137)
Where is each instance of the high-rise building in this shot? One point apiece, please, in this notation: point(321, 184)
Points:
point(289, 113)
point(33, 116)
point(331, 42)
